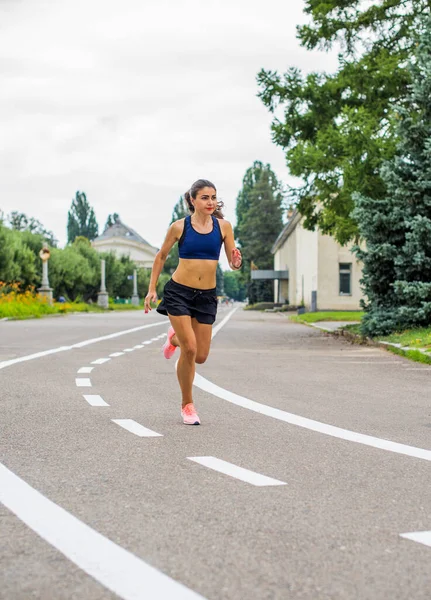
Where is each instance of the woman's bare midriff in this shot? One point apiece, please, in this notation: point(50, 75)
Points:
point(196, 273)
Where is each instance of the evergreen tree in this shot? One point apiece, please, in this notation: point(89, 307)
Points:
point(180, 211)
point(260, 222)
point(111, 220)
point(397, 228)
point(81, 220)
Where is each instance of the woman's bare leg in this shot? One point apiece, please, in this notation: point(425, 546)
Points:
point(185, 336)
point(203, 334)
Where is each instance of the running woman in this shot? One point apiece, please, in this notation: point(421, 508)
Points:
point(189, 297)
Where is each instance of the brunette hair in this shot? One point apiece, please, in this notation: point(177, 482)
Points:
point(193, 192)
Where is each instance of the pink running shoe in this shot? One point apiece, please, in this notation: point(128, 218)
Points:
point(168, 348)
point(189, 415)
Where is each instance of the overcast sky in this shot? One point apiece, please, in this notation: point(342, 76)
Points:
point(132, 101)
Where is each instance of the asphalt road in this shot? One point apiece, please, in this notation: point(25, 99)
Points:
point(312, 461)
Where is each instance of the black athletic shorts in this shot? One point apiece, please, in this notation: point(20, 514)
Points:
point(181, 299)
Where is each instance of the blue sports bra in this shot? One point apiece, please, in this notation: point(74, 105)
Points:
point(195, 245)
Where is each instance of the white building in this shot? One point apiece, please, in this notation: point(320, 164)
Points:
point(321, 273)
point(124, 241)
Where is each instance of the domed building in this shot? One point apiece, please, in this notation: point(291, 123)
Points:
point(124, 241)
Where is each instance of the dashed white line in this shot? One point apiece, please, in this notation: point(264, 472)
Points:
point(147, 342)
point(232, 470)
point(136, 428)
point(85, 370)
point(422, 537)
point(111, 565)
point(138, 347)
point(115, 354)
point(14, 361)
point(83, 382)
point(95, 400)
point(100, 361)
point(128, 350)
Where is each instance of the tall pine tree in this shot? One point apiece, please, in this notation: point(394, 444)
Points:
point(259, 222)
point(81, 220)
point(397, 228)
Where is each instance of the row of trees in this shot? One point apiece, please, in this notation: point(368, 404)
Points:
point(74, 271)
point(360, 141)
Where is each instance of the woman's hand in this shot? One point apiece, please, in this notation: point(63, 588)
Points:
point(236, 258)
point(150, 297)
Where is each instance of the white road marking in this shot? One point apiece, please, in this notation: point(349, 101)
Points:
point(95, 400)
point(128, 350)
point(234, 471)
point(138, 346)
point(136, 428)
point(154, 339)
point(111, 565)
point(422, 537)
point(83, 382)
point(147, 342)
point(85, 369)
point(14, 361)
point(337, 432)
point(100, 361)
point(115, 354)
point(281, 415)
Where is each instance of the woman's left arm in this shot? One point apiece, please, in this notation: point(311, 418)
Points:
point(233, 254)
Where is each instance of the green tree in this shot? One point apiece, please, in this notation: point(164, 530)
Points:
point(259, 218)
point(397, 227)
point(337, 128)
point(21, 222)
point(81, 220)
point(111, 220)
point(180, 211)
point(233, 287)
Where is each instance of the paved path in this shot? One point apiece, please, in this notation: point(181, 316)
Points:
point(313, 458)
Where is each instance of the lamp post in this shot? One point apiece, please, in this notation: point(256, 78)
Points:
point(102, 296)
point(135, 297)
point(45, 291)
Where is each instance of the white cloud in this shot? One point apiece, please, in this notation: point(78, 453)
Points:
point(132, 102)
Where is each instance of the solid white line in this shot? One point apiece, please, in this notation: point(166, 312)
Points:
point(95, 400)
point(234, 471)
point(115, 354)
point(111, 565)
point(14, 361)
point(83, 382)
point(337, 432)
point(287, 417)
point(100, 361)
point(217, 328)
point(136, 428)
point(85, 369)
point(422, 537)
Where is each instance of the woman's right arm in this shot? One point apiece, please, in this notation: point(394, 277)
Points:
point(160, 259)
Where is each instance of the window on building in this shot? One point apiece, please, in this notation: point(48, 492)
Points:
point(345, 279)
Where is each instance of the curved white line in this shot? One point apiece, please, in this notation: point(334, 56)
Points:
point(281, 415)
